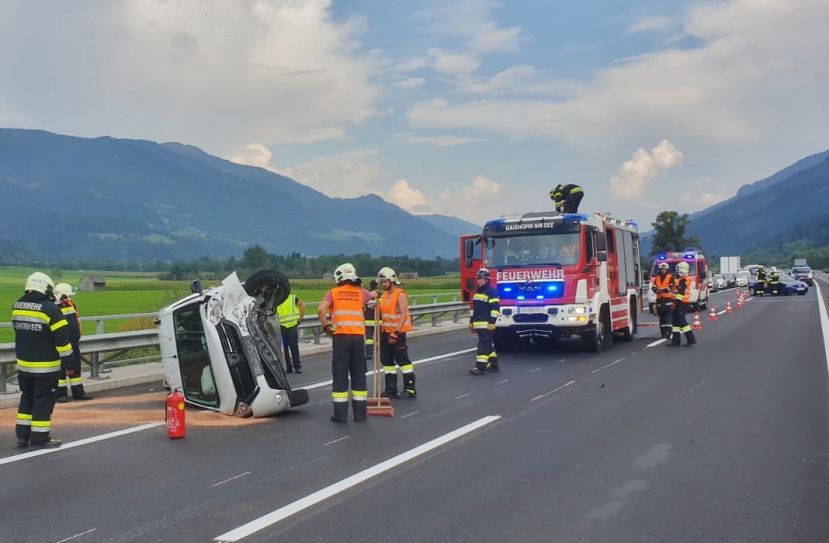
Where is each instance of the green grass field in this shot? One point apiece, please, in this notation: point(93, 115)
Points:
point(134, 292)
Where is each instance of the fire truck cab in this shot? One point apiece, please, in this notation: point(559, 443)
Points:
point(558, 275)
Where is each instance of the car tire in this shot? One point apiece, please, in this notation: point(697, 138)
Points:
point(261, 282)
point(298, 397)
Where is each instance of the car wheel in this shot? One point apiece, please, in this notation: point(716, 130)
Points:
point(269, 282)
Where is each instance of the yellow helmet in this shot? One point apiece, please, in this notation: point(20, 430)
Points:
point(387, 273)
point(39, 282)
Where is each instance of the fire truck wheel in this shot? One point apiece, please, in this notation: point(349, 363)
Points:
point(629, 332)
point(263, 282)
point(596, 340)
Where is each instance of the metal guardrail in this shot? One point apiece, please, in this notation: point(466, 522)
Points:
point(93, 346)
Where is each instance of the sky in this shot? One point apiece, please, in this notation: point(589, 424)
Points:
point(470, 108)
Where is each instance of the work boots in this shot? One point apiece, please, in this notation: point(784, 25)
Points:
point(51, 443)
point(479, 369)
point(690, 339)
point(409, 385)
point(492, 366)
point(391, 386)
point(359, 409)
point(340, 412)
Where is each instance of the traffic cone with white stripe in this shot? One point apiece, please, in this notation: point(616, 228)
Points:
point(712, 315)
point(697, 322)
point(740, 302)
point(728, 308)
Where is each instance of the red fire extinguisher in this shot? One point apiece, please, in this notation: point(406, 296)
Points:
point(176, 426)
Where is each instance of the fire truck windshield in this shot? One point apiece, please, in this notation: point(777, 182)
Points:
point(529, 250)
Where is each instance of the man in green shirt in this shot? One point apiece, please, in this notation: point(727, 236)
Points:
point(290, 314)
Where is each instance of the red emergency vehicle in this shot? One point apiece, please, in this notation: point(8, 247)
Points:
point(558, 275)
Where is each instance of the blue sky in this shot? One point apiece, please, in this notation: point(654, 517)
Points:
point(473, 108)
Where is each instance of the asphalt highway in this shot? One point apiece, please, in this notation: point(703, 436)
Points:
point(724, 442)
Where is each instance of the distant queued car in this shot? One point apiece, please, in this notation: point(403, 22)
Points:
point(717, 282)
point(730, 280)
point(803, 273)
point(743, 278)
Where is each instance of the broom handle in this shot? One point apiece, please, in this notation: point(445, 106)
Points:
point(377, 353)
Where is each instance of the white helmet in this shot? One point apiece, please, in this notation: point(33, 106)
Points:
point(63, 289)
point(387, 273)
point(39, 282)
point(774, 269)
point(345, 272)
point(664, 266)
point(683, 268)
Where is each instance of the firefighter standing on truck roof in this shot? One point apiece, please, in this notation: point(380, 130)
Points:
point(41, 341)
point(485, 311)
point(70, 368)
point(682, 294)
point(663, 288)
point(567, 198)
point(396, 322)
point(290, 314)
point(347, 328)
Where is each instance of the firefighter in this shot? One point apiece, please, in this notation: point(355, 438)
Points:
point(567, 198)
point(41, 341)
point(774, 281)
point(682, 296)
point(485, 311)
point(368, 315)
point(290, 314)
point(347, 328)
point(663, 288)
point(760, 288)
point(70, 369)
point(396, 322)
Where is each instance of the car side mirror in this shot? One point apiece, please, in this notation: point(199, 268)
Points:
point(601, 256)
point(195, 287)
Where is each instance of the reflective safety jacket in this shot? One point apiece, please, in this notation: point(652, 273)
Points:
point(486, 306)
point(41, 334)
point(774, 277)
point(347, 310)
point(73, 320)
point(564, 192)
point(288, 312)
point(682, 289)
point(392, 320)
point(663, 285)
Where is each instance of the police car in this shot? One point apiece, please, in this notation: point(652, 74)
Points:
point(222, 347)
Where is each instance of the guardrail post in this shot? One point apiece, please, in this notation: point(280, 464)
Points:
point(456, 316)
point(455, 298)
point(316, 331)
point(3, 378)
point(435, 299)
point(434, 319)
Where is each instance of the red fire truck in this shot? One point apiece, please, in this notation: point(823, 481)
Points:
point(558, 276)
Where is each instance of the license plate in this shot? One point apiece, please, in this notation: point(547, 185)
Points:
point(531, 310)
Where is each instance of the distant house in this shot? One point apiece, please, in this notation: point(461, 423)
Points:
point(92, 282)
point(407, 275)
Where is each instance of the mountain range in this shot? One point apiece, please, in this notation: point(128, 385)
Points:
point(139, 200)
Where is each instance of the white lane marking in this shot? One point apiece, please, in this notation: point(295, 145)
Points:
point(562, 360)
point(723, 311)
point(502, 382)
point(410, 414)
point(341, 486)
point(231, 479)
point(535, 370)
point(416, 362)
point(750, 299)
point(597, 370)
point(462, 396)
point(655, 343)
point(80, 442)
point(336, 440)
point(77, 536)
point(552, 391)
point(824, 322)
point(697, 386)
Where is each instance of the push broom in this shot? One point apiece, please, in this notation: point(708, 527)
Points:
point(377, 406)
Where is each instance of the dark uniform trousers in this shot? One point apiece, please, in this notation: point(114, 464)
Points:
point(368, 315)
point(75, 382)
point(396, 354)
point(485, 356)
point(349, 360)
point(37, 400)
point(664, 308)
point(681, 325)
point(290, 346)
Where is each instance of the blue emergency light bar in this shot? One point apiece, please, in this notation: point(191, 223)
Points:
point(577, 217)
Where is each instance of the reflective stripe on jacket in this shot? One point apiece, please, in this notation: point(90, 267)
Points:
point(486, 306)
point(41, 334)
point(664, 282)
point(682, 289)
point(288, 312)
point(347, 310)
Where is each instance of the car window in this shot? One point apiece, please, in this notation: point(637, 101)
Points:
point(194, 358)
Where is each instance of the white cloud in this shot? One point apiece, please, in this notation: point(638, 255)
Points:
point(217, 74)
point(634, 175)
point(402, 194)
point(474, 22)
point(449, 63)
point(732, 90)
point(410, 83)
point(651, 24)
point(345, 175)
point(520, 79)
point(411, 64)
point(254, 154)
point(442, 141)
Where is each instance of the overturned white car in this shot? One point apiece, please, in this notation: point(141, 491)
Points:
point(223, 348)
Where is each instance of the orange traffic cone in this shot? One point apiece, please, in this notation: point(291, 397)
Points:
point(740, 302)
point(728, 308)
point(712, 315)
point(697, 322)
